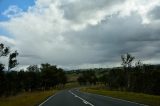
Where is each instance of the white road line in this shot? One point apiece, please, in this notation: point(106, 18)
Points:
point(47, 100)
point(84, 101)
point(116, 99)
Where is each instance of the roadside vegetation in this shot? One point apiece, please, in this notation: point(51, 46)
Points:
point(28, 87)
point(139, 82)
point(151, 100)
point(33, 79)
point(140, 78)
point(33, 98)
point(27, 98)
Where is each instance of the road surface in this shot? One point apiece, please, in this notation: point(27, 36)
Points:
point(75, 98)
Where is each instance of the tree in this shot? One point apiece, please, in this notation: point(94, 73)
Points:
point(87, 77)
point(8, 80)
point(139, 65)
point(4, 51)
point(1, 67)
point(52, 76)
point(81, 80)
point(104, 79)
point(12, 60)
point(33, 80)
point(127, 60)
point(62, 77)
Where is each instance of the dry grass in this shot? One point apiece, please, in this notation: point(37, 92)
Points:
point(33, 98)
point(150, 100)
point(26, 99)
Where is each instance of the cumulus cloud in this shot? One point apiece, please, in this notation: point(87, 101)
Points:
point(12, 11)
point(90, 33)
point(8, 41)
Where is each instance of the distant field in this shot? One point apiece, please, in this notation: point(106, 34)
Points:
point(26, 99)
point(150, 100)
point(68, 86)
point(72, 77)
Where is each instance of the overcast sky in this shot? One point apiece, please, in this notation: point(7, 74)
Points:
point(81, 33)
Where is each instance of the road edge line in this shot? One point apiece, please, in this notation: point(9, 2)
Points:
point(116, 98)
point(48, 98)
point(84, 101)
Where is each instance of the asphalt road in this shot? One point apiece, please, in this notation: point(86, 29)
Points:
point(75, 98)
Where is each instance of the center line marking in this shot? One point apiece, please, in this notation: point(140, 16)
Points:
point(84, 101)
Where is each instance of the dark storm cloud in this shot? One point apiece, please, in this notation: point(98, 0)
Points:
point(78, 10)
point(116, 36)
point(155, 13)
point(76, 32)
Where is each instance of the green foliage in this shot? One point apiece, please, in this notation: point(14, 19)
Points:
point(87, 77)
point(12, 60)
point(141, 78)
point(150, 100)
point(34, 78)
point(4, 51)
point(8, 80)
point(52, 76)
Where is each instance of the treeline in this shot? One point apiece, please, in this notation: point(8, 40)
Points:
point(145, 80)
point(138, 78)
point(33, 78)
point(87, 77)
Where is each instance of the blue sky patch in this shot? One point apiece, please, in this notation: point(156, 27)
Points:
point(23, 4)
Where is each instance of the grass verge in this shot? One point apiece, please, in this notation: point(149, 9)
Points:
point(27, 98)
point(150, 100)
point(33, 98)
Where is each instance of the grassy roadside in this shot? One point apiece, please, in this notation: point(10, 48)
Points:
point(27, 98)
point(32, 98)
point(150, 100)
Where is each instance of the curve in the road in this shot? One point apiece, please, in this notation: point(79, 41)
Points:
point(76, 98)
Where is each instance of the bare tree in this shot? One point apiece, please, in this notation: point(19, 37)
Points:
point(127, 60)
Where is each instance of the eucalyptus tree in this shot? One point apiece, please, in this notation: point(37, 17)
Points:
point(127, 60)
